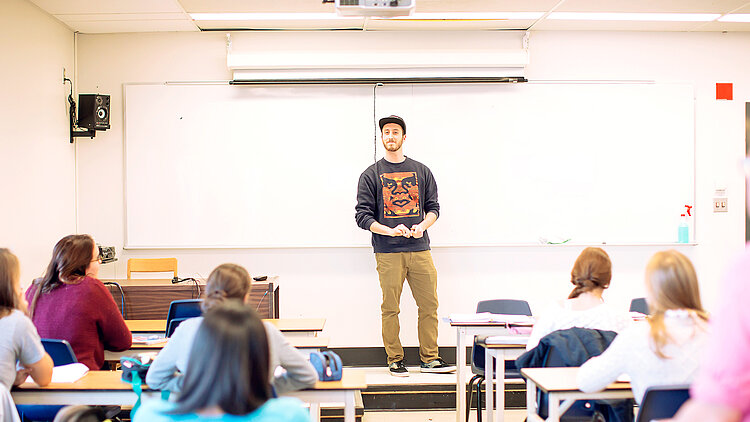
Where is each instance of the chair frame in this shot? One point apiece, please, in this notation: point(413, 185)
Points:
point(152, 265)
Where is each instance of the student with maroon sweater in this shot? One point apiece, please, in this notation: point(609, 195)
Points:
point(70, 303)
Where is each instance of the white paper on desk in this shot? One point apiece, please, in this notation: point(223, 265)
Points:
point(71, 372)
point(506, 340)
point(488, 317)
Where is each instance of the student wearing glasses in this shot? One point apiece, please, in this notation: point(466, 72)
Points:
point(70, 303)
point(227, 375)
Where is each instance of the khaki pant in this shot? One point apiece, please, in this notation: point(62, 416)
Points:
point(418, 269)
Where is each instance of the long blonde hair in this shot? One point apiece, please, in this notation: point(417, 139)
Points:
point(672, 284)
point(10, 274)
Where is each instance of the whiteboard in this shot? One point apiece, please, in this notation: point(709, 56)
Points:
point(214, 165)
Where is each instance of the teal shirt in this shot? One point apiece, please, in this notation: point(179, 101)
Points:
point(282, 409)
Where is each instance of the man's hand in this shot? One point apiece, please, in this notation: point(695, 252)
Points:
point(417, 231)
point(21, 376)
point(401, 230)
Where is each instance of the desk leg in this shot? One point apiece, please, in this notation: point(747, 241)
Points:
point(315, 412)
point(349, 407)
point(460, 376)
point(500, 384)
point(553, 414)
point(531, 400)
point(489, 378)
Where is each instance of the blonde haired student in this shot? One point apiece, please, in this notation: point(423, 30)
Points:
point(19, 342)
point(666, 350)
point(585, 307)
point(229, 283)
point(227, 375)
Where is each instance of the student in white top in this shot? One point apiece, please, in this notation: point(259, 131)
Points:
point(667, 349)
point(585, 307)
point(229, 282)
point(19, 342)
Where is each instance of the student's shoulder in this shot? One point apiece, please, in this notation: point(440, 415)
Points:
point(283, 409)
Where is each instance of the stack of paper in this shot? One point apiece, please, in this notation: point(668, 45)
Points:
point(495, 318)
point(506, 340)
point(149, 340)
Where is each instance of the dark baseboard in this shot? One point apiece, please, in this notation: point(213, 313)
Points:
point(376, 356)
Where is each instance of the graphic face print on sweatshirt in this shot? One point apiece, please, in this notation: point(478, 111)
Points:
point(400, 194)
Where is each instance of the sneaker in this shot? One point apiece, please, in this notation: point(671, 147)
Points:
point(437, 366)
point(398, 369)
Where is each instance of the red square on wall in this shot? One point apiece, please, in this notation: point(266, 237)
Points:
point(723, 91)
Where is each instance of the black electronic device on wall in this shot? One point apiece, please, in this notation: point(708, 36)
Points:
point(93, 111)
point(89, 115)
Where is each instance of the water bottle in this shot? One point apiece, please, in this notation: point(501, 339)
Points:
point(683, 230)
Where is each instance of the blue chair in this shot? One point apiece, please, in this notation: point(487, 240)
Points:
point(60, 351)
point(662, 402)
point(173, 324)
point(639, 305)
point(496, 306)
point(61, 354)
point(182, 309)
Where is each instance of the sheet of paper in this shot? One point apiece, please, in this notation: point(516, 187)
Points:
point(66, 373)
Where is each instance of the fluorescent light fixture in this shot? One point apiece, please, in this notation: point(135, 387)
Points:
point(735, 17)
point(654, 17)
point(334, 16)
point(265, 16)
point(473, 16)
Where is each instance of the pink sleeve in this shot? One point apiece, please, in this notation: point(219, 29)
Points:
point(725, 373)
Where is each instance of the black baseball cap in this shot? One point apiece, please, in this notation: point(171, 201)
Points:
point(392, 119)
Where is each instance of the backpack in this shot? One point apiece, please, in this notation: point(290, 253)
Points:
point(327, 365)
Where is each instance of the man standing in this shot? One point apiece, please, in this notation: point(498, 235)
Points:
point(397, 201)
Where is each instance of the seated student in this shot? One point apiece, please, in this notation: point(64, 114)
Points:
point(584, 307)
point(227, 374)
point(229, 282)
point(721, 391)
point(70, 303)
point(19, 342)
point(80, 413)
point(667, 349)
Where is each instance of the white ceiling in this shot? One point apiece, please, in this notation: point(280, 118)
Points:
point(108, 16)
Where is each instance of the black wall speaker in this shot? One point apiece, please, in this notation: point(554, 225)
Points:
point(93, 111)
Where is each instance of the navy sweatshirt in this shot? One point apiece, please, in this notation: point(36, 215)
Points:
point(393, 194)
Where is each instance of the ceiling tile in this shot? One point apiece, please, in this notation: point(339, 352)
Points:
point(651, 6)
point(100, 27)
point(58, 7)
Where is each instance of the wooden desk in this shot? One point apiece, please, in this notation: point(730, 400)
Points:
point(305, 344)
point(150, 298)
point(285, 325)
point(106, 388)
point(464, 329)
point(560, 384)
point(499, 353)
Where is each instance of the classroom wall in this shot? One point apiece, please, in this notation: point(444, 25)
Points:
point(341, 283)
point(36, 158)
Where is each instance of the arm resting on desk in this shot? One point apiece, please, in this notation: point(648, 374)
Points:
point(299, 373)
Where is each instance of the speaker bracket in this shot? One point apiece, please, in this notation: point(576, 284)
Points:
point(88, 133)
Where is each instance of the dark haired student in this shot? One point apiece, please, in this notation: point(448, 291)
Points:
point(397, 201)
point(70, 303)
point(229, 283)
point(227, 375)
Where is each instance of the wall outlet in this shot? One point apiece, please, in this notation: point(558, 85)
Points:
point(720, 204)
